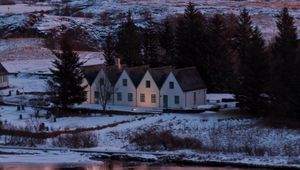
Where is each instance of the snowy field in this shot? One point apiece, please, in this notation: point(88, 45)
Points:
point(280, 147)
point(42, 157)
point(262, 12)
point(11, 116)
point(22, 8)
point(28, 55)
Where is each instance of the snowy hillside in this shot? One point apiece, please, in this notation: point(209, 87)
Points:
point(93, 19)
point(88, 13)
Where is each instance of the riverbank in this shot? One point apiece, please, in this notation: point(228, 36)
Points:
point(27, 155)
point(223, 138)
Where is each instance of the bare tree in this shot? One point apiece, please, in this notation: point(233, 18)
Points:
point(104, 93)
point(37, 104)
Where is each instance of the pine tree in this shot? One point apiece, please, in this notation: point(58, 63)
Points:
point(220, 66)
point(285, 66)
point(244, 33)
point(253, 68)
point(109, 50)
point(66, 83)
point(189, 36)
point(167, 42)
point(129, 42)
point(150, 44)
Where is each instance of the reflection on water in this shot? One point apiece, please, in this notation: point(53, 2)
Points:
point(110, 165)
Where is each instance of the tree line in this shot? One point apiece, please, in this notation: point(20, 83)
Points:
point(228, 50)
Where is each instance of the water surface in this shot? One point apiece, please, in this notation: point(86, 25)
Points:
point(110, 165)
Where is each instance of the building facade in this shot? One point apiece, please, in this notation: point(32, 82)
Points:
point(4, 82)
point(163, 87)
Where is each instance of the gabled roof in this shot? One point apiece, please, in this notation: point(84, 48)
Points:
point(136, 74)
point(160, 74)
point(90, 72)
point(3, 70)
point(113, 73)
point(189, 78)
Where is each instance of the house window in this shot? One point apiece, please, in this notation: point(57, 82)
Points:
point(153, 98)
point(101, 81)
point(119, 96)
point(148, 85)
point(124, 82)
point(195, 98)
point(142, 97)
point(171, 85)
point(176, 99)
point(130, 97)
point(96, 95)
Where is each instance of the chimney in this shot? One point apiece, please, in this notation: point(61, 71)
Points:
point(118, 63)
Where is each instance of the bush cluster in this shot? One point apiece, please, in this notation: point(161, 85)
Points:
point(76, 140)
point(152, 139)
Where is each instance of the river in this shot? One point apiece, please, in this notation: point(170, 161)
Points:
point(111, 165)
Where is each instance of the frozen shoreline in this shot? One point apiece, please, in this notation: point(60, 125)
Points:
point(184, 157)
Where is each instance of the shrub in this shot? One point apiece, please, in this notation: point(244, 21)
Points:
point(76, 140)
point(23, 141)
point(152, 139)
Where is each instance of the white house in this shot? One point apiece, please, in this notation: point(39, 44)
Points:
point(126, 85)
point(3, 77)
point(148, 91)
point(163, 87)
point(90, 74)
point(183, 88)
point(107, 76)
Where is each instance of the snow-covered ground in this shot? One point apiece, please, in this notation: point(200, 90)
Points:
point(230, 129)
point(28, 55)
point(10, 115)
point(44, 157)
point(22, 8)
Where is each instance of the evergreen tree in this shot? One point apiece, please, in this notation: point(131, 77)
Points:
point(189, 38)
point(244, 33)
point(150, 44)
point(66, 83)
point(285, 61)
point(253, 68)
point(220, 66)
point(109, 50)
point(129, 42)
point(167, 42)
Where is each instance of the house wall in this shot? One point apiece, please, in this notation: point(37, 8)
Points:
point(124, 90)
point(95, 87)
point(200, 97)
point(88, 91)
point(4, 81)
point(171, 93)
point(148, 91)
